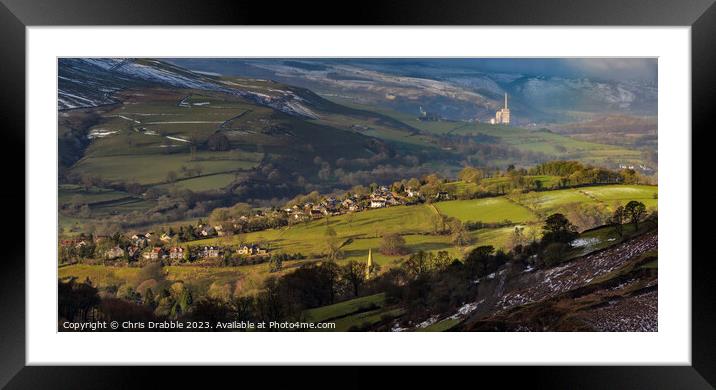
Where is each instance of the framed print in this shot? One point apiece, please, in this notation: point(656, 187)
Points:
point(406, 189)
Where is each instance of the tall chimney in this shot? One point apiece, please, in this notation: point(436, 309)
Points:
point(505, 100)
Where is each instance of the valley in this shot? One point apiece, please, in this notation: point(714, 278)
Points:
point(317, 191)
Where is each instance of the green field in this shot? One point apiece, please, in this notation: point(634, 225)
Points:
point(553, 144)
point(624, 193)
point(153, 169)
point(367, 319)
point(488, 210)
point(354, 313)
point(364, 232)
point(204, 183)
point(344, 308)
point(440, 326)
point(69, 193)
point(549, 143)
point(547, 202)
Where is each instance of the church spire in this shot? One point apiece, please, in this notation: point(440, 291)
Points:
point(369, 265)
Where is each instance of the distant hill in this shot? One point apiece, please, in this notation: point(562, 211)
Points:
point(125, 123)
point(451, 89)
point(90, 82)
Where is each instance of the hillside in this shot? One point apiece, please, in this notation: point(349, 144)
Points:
point(534, 144)
point(457, 89)
point(362, 231)
point(147, 129)
point(611, 290)
point(612, 287)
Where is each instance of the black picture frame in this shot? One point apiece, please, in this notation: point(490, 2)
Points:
point(15, 15)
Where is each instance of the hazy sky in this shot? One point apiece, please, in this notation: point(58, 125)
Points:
point(606, 68)
point(620, 69)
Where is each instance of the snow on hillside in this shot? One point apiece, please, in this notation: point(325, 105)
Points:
point(90, 82)
point(537, 90)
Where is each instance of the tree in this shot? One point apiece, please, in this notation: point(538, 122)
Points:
point(275, 264)
point(333, 244)
point(218, 142)
point(148, 299)
point(151, 271)
point(210, 309)
point(354, 273)
point(77, 301)
point(439, 222)
point(460, 236)
point(442, 261)
point(171, 177)
point(635, 211)
point(557, 228)
point(617, 220)
point(413, 183)
point(554, 253)
point(184, 300)
point(532, 233)
point(418, 264)
point(393, 244)
point(88, 181)
point(480, 261)
point(470, 175)
point(85, 211)
point(220, 216)
point(518, 237)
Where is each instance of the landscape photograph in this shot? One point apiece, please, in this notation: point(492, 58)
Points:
point(357, 194)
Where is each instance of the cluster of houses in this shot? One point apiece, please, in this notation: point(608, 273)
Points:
point(379, 198)
point(152, 246)
point(632, 167)
point(149, 247)
point(178, 253)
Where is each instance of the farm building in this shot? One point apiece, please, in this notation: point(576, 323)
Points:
point(251, 250)
point(176, 253)
point(114, 253)
point(377, 203)
point(153, 254)
point(209, 252)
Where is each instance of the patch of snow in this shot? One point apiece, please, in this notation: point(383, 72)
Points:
point(177, 139)
point(428, 322)
point(100, 133)
point(465, 310)
point(585, 242)
point(129, 119)
point(396, 328)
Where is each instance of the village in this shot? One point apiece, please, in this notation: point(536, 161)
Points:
point(172, 245)
point(146, 247)
point(379, 198)
point(143, 247)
